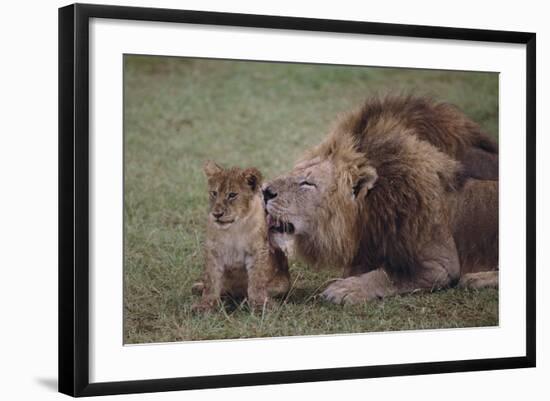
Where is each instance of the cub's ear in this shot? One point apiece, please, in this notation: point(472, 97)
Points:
point(364, 181)
point(211, 168)
point(253, 177)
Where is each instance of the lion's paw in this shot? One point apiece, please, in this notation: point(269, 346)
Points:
point(479, 280)
point(349, 291)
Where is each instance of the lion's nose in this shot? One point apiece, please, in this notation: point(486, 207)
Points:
point(269, 193)
point(217, 214)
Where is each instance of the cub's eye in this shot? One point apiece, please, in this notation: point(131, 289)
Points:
point(307, 184)
point(213, 194)
point(231, 195)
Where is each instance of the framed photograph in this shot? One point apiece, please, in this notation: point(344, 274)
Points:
point(251, 199)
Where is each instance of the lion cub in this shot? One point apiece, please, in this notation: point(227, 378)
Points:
point(238, 259)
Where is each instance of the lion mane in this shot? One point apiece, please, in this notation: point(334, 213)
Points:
point(395, 217)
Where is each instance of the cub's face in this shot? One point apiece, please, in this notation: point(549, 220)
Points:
point(231, 192)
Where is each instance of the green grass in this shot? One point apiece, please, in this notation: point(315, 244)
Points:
point(179, 112)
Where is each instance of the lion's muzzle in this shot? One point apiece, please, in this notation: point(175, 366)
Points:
point(268, 193)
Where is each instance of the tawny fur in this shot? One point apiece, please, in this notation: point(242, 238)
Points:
point(388, 197)
point(474, 220)
point(238, 259)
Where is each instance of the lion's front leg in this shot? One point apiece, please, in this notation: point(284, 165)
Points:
point(438, 268)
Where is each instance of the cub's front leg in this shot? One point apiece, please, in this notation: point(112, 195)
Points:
point(258, 268)
point(279, 283)
point(212, 286)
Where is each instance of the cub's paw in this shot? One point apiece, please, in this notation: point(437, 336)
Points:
point(203, 307)
point(197, 288)
point(260, 305)
point(279, 287)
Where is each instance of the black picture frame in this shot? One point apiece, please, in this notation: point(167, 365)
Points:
point(74, 198)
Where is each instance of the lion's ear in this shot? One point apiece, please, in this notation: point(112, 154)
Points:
point(364, 182)
point(253, 177)
point(211, 168)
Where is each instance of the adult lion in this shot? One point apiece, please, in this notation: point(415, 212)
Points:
point(402, 195)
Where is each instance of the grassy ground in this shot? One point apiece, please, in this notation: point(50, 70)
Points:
point(179, 112)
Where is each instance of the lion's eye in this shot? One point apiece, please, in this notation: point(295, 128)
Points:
point(213, 194)
point(231, 195)
point(307, 184)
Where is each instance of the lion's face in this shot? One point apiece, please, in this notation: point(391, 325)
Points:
point(293, 201)
point(316, 206)
point(231, 192)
